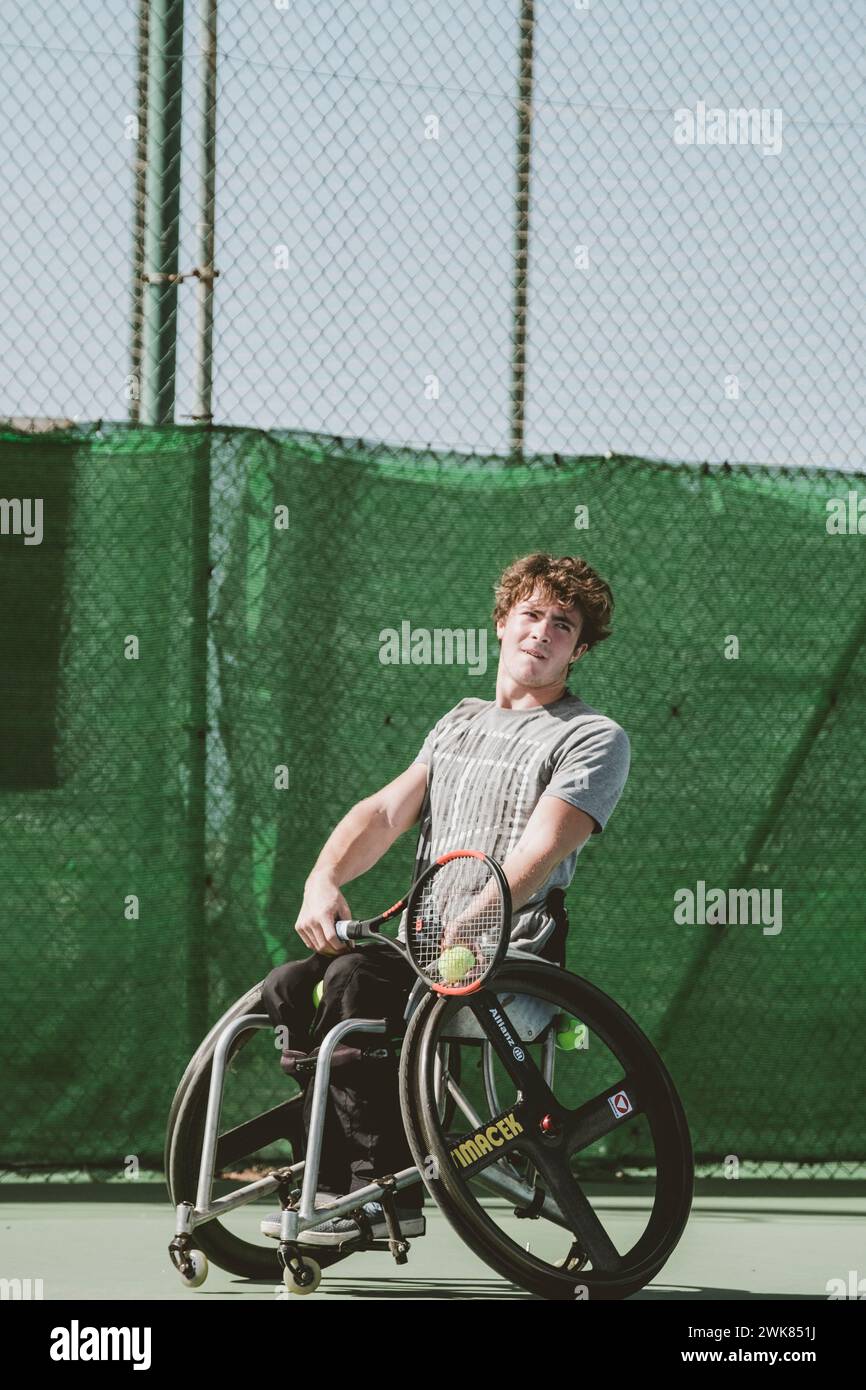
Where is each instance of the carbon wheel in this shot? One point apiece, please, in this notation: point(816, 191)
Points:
point(483, 1169)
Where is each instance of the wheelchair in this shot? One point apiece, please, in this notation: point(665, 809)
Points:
point(504, 1149)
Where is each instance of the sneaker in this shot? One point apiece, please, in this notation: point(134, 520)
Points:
point(343, 1228)
point(270, 1224)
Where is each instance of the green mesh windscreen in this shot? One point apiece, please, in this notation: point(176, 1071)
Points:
point(169, 798)
point(34, 526)
point(99, 889)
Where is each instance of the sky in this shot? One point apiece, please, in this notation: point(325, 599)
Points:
point(715, 310)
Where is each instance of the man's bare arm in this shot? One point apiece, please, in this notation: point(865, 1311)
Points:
point(357, 843)
point(554, 830)
point(369, 830)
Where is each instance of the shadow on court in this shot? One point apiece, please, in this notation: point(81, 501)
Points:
point(106, 1241)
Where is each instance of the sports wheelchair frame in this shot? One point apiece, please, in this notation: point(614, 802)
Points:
point(505, 1147)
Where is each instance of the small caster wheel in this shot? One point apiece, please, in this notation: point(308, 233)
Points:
point(197, 1275)
point(306, 1280)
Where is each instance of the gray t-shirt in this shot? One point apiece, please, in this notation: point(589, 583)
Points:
point(488, 767)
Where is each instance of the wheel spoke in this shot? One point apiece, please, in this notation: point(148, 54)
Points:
point(514, 1056)
point(489, 1142)
point(576, 1210)
point(601, 1115)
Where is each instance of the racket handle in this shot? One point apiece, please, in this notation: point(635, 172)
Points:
point(349, 931)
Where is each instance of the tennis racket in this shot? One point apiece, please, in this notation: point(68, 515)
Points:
point(457, 924)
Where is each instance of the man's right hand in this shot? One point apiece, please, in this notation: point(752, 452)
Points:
point(323, 905)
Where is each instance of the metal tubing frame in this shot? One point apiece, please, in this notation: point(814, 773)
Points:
point(206, 270)
point(305, 1216)
point(295, 1220)
point(160, 230)
point(320, 1095)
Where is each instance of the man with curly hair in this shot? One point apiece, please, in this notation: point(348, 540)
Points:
point(526, 777)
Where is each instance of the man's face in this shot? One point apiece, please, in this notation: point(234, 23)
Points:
point(538, 638)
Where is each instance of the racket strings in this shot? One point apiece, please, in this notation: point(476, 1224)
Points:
point(455, 927)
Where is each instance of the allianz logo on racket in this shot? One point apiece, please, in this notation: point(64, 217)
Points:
point(438, 646)
point(22, 516)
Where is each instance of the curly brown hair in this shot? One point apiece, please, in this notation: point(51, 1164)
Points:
point(565, 579)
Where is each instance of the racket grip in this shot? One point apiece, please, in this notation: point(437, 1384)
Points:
point(349, 931)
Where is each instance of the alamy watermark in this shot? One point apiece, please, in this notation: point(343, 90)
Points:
point(23, 1289)
point(22, 516)
point(439, 646)
point(852, 1287)
point(732, 906)
point(77, 1343)
point(846, 516)
point(738, 125)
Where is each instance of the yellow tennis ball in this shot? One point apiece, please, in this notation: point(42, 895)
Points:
point(571, 1033)
point(454, 963)
point(317, 993)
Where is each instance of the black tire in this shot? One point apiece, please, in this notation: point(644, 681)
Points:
point(647, 1078)
point(183, 1155)
point(408, 1091)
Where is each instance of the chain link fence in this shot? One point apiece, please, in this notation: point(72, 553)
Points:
point(645, 223)
point(154, 868)
point(618, 241)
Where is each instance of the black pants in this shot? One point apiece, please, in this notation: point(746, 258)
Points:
point(363, 1137)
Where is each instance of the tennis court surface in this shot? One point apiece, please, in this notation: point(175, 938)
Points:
point(766, 1240)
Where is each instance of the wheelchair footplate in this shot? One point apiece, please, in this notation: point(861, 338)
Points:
point(395, 1243)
